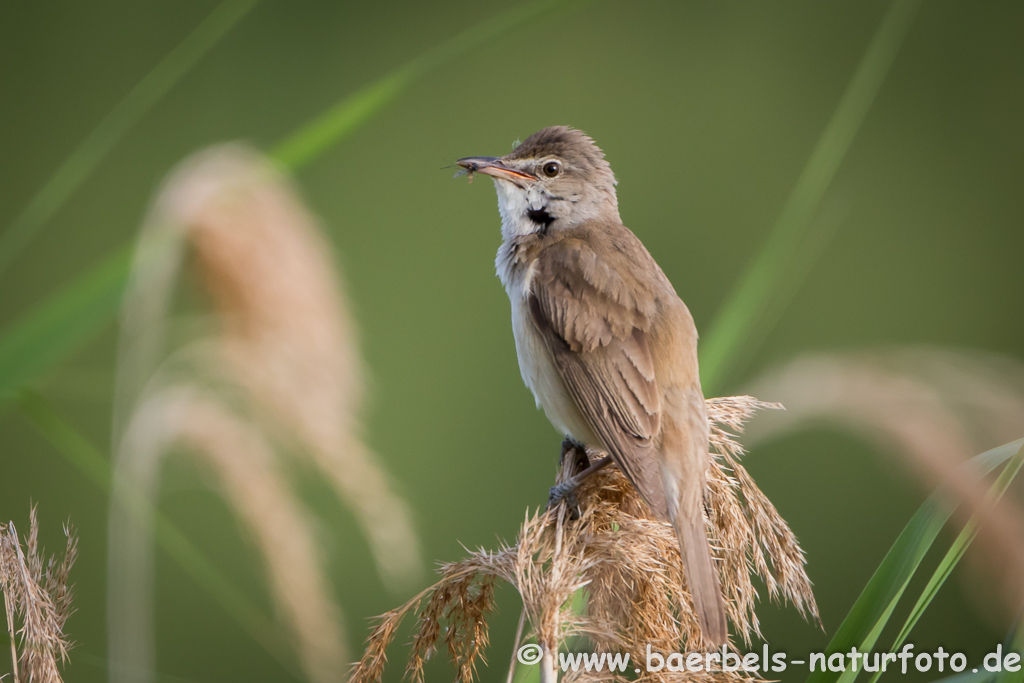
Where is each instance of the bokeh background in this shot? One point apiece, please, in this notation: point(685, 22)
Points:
point(708, 113)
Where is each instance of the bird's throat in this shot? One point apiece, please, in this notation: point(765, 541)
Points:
point(522, 212)
point(541, 217)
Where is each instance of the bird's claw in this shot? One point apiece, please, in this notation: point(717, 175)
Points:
point(566, 491)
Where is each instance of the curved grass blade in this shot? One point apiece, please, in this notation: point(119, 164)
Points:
point(84, 457)
point(51, 331)
point(1015, 644)
point(954, 554)
point(883, 591)
point(125, 114)
point(60, 324)
point(969, 677)
point(730, 332)
point(333, 125)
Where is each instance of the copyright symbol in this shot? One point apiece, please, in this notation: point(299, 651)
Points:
point(529, 654)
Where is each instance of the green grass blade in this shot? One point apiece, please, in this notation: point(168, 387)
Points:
point(730, 332)
point(873, 608)
point(51, 331)
point(870, 639)
point(306, 144)
point(954, 555)
point(125, 114)
point(969, 677)
point(60, 325)
point(87, 459)
point(329, 128)
point(1016, 644)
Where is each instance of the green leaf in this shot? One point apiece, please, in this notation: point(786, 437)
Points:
point(125, 114)
point(329, 128)
point(1016, 644)
point(873, 608)
point(969, 677)
point(729, 338)
point(954, 554)
point(63, 322)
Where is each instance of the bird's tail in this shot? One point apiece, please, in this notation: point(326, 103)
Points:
point(702, 577)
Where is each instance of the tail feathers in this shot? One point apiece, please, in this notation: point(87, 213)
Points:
point(702, 579)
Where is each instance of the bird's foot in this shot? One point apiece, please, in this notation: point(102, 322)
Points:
point(566, 491)
point(576, 454)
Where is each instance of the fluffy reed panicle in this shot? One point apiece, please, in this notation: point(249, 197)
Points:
point(37, 602)
point(249, 475)
point(275, 372)
point(625, 562)
point(286, 337)
point(934, 409)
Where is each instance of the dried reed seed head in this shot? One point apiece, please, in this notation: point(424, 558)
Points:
point(288, 336)
point(263, 260)
point(627, 563)
point(248, 472)
point(284, 356)
point(36, 595)
point(936, 408)
point(258, 493)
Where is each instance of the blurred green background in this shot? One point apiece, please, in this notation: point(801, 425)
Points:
point(707, 112)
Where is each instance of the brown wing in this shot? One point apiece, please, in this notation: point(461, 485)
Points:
point(595, 320)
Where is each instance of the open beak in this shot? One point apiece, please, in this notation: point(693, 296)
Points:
point(492, 166)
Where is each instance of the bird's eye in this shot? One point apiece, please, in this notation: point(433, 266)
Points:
point(551, 169)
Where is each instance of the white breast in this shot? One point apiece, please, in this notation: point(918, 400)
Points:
point(535, 363)
point(541, 376)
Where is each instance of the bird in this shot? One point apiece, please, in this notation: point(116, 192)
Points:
point(604, 342)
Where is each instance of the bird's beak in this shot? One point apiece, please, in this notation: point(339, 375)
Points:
point(492, 166)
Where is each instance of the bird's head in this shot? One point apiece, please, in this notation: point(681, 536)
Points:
point(555, 179)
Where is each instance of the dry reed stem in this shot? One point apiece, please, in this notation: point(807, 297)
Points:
point(936, 409)
point(38, 596)
point(627, 563)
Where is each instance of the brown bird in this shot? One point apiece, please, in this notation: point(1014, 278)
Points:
point(605, 344)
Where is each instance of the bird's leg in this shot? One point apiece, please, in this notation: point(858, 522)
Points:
point(577, 451)
point(567, 489)
point(571, 462)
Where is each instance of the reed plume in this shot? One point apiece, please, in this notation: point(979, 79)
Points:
point(932, 408)
point(625, 562)
point(37, 602)
point(274, 372)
